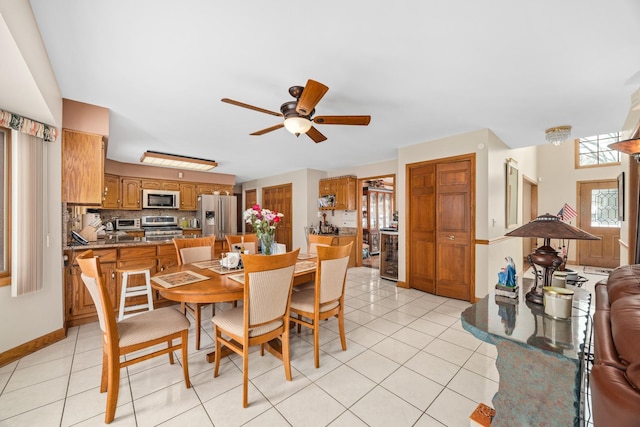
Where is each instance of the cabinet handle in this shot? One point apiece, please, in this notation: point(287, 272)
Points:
point(451, 237)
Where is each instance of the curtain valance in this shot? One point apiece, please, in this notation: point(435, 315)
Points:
point(28, 126)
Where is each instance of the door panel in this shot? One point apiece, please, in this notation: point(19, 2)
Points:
point(279, 198)
point(453, 225)
point(597, 214)
point(421, 227)
point(250, 199)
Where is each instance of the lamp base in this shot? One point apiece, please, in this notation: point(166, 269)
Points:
point(534, 297)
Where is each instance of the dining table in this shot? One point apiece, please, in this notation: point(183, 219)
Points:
point(208, 282)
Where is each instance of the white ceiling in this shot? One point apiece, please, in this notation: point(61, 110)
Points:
point(421, 69)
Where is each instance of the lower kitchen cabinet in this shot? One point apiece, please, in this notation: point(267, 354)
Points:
point(344, 240)
point(79, 307)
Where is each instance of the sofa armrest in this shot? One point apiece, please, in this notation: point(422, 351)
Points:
point(614, 401)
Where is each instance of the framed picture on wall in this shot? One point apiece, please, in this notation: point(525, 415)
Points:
point(621, 196)
point(512, 194)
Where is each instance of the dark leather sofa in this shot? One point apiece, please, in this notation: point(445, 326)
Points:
point(615, 376)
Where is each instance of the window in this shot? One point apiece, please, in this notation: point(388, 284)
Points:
point(5, 206)
point(604, 208)
point(594, 151)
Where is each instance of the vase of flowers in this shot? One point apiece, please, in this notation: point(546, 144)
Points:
point(264, 223)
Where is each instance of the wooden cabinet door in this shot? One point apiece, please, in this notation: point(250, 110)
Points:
point(188, 197)
point(327, 187)
point(131, 196)
point(82, 301)
point(171, 185)
point(111, 192)
point(150, 184)
point(346, 193)
point(82, 168)
point(345, 240)
point(206, 188)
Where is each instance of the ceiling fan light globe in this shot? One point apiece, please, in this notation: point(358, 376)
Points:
point(297, 125)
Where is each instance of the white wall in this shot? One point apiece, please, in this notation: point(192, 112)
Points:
point(28, 317)
point(491, 156)
point(557, 185)
point(304, 184)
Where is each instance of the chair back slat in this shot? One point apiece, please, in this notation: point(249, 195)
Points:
point(194, 242)
point(94, 282)
point(316, 241)
point(248, 246)
point(195, 254)
point(269, 294)
point(332, 278)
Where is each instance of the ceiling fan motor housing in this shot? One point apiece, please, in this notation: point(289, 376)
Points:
point(288, 110)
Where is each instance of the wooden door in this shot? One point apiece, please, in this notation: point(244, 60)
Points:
point(598, 215)
point(279, 198)
point(250, 199)
point(441, 227)
point(421, 227)
point(454, 211)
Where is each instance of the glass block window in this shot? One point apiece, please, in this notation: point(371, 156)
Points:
point(593, 151)
point(604, 208)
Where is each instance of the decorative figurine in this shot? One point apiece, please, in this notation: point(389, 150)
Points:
point(507, 285)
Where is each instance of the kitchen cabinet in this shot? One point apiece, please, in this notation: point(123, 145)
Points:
point(155, 184)
point(83, 157)
point(79, 303)
point(188, 197)
point(111, 198)
point(340, 192)
point(377, 213)
point(345, 240)
point(131, 194)
point(194, 232)
point(79, 307)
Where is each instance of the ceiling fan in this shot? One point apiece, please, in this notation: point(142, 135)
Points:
point(298, 114)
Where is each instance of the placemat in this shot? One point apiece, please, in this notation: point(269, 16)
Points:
point(214, 265)
point(302, 266)
point(237, 277)
point(302, 255)
point(178, 279)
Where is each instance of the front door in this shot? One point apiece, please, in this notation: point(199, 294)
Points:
point(598, 215)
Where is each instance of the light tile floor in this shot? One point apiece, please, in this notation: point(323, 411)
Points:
point(409, 362)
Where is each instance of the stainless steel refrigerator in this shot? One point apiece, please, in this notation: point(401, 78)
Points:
point(217, 215)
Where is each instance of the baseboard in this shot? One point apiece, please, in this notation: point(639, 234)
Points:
point(27, 348)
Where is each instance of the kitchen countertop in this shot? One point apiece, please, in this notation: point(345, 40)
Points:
point(120, 241)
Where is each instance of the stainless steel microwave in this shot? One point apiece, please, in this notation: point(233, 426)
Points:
point(160, 199)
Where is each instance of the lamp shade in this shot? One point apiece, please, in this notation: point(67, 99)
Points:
point(297, 125)
point(550, 227)
point(629, 146)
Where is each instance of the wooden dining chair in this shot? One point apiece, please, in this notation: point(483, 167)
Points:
point(148, 329)
point(326, 299)
point(191, 250)
point(250, 242)
point(263, 317)
point(316, 240)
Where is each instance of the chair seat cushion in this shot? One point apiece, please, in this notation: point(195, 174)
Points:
point(151, 325)
point(304, 301)
point(232, 320)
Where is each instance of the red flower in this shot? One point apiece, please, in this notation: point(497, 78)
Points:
point(276, 219)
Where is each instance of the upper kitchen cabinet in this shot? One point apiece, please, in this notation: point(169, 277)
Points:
point(131, 194)
point(82, 167)
point(111, 199)
point(188, 197)
point(155, 184)
point(338, 193)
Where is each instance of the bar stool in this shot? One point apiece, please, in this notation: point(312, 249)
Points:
point(134, 291)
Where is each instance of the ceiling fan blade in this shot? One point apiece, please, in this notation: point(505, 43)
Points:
point(250, 107)
point(311, 95)
point(267, 130)
point(342, 120)
point(315, 134)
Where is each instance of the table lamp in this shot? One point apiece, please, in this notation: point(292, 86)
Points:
point(547, 227)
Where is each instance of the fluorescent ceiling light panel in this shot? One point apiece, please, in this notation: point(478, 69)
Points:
point(156, 158)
